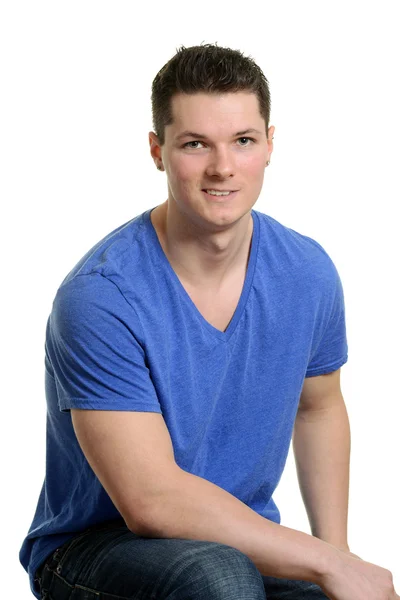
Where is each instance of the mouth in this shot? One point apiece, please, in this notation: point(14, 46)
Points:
point(221, 197)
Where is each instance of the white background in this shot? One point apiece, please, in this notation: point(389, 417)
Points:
point(75, 115)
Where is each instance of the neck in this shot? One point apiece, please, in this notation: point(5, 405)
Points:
point(198, 256)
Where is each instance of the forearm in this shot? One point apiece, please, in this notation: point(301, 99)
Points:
point(194, 508)
point(321, 446)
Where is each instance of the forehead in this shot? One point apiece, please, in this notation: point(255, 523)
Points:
point(201, 110)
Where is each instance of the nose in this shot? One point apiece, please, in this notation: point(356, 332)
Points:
point(221, 164)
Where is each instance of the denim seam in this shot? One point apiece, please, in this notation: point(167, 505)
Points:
point(97, 592)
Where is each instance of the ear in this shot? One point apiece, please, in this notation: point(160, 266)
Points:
point(155, 148)
point(270, 143)
point(271, 132)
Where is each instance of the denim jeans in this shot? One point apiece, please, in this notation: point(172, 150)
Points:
point(109, 562)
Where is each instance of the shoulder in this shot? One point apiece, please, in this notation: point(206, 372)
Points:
point(291, 251)
point(108, 258)
point(286, 234)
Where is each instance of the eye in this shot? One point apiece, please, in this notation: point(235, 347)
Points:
point(197, 142)
point(194, 142)
point(246, 138)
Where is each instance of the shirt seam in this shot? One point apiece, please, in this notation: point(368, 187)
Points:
point(120, 291)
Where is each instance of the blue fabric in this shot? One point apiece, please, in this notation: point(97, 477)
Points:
point(123, 334)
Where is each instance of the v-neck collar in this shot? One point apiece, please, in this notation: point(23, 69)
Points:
point(222, 335)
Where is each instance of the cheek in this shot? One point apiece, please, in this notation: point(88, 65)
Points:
point(255, 165)
point(183, 178)
point(184, 172)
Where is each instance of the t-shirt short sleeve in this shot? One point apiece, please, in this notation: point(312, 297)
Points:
point(331, 347)
point(95, 349)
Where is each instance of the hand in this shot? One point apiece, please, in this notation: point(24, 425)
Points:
point(350, 578)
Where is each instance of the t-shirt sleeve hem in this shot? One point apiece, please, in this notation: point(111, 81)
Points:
point(327, 368)
point(102, 404)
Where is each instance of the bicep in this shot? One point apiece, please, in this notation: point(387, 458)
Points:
point(321, 392)
point(132, 455)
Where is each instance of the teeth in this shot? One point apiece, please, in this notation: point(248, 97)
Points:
point(215, 193)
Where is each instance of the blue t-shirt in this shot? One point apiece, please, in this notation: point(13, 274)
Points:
point(123, 334)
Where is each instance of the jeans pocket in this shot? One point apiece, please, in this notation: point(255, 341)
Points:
point(60, 555)
point(57, 559)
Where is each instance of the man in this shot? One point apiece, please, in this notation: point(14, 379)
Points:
point(182, 352)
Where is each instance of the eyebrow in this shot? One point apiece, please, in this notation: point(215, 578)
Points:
point(201, 136)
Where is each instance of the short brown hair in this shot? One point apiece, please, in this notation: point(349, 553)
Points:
point(206, 68)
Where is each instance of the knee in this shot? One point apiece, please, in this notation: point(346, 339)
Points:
point(217, 571)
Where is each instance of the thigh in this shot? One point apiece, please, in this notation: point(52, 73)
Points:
point(111, 563)
point(292, 589)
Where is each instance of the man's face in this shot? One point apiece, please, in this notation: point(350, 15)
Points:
point(223, 159)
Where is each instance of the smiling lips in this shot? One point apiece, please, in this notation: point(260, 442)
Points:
point(213, 192)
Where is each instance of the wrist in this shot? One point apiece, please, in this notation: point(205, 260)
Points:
point(331, 559)
point(340, 544)
point(343, 547)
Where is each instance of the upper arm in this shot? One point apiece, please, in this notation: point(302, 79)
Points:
point(321, 392)
point(132, 455)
